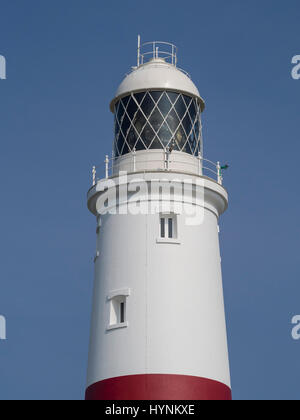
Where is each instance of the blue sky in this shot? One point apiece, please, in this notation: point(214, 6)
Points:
point(65, 60)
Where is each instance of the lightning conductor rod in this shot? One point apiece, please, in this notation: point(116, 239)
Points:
point(139, 51)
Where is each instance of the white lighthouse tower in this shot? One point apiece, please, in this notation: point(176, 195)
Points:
point(158, 323)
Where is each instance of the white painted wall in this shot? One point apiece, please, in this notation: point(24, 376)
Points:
point(175, 311)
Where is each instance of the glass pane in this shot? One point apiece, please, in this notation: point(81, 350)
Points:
point(120, 113)
point(197, 129)
point(197, 132)
point(165, 134)
point(139, 97)
point(132, 138)
point(180, 107)
point(173, 121)
point(139, 145)
point(115, 150)
point(187, 148)
point(193, 111)
point(180, 137)
point(125, 149)
point(170, 227)
point(117, 128)
point(156, 95)
point(147, 105)
point(122, 312)
point(125, 100)
point(164, 105)
point(132, 108)
point(162, 228)
point(186, 123)
point(188, 100)
point(192, 143)
point(173, 96)
point(156, 144)
point(156, 120)
point(139, 121)
point(125, 125)
point(117, 108)
point(147, 135)
point(120, 142)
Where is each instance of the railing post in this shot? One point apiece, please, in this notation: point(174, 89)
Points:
point(166, 159)
point(94, 175)
point(106, 166)
point(199, 163)
point(219, 171)
point(134, 159)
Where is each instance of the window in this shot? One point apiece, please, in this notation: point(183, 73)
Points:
point(117, 310)
point(117, 307)
point(168, 227)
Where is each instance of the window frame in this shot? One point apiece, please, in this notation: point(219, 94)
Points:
point(165, 228)
point(118, 309)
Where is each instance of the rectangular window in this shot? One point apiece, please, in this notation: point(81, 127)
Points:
point(168, 226)
point(118, 310)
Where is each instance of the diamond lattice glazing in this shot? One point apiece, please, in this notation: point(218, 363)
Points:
point(157, 120)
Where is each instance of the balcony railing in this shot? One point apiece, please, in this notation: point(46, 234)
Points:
point(205, 167)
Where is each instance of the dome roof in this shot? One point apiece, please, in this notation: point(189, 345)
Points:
point(157, 74)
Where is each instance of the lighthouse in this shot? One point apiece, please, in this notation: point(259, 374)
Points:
point(158, 329)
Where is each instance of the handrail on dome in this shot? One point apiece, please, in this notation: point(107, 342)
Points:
point(154, 50)
point(157, 50)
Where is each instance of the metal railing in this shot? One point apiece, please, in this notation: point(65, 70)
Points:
point(157, 49)
point(205, 166)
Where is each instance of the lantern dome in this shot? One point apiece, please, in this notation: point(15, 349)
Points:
point(160, 72)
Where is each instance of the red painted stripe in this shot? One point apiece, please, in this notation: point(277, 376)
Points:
point(158, 387)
